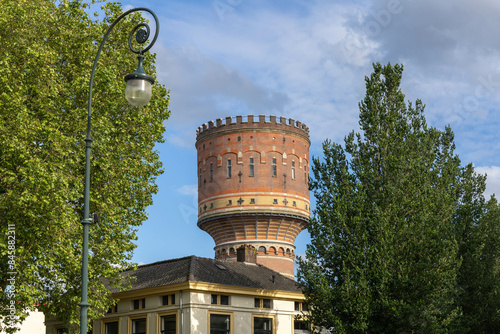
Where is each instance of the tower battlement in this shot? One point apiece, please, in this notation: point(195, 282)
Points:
point(241, 123)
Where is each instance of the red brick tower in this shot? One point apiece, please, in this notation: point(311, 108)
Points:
point(252, 186)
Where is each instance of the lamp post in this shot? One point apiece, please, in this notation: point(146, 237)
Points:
point(137, 93)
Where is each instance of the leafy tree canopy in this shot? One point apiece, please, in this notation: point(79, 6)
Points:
point(46, 54)
point(388, 245)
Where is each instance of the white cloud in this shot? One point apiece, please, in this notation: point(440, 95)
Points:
point(188, 189)
point(492, 180)
point(307, 60)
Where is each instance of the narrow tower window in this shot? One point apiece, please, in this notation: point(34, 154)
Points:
point(251, 167)
point(274, 167)
point(229, 168)
point(211, 172)
point(293, 170)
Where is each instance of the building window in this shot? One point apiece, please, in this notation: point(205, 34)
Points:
point(168, 324)
point(219, 300)
point(262, 325)
point(274, 167)
point(275, 201)
point(139, 326)
point(302, 307)
point(139, 304)
point(62, 331)
point(168, 299)
point(293, 170)
point(211, 172)
point(294, 204)
point(220, 323)
point(251, 167)
point(111, 327)
point(262, 303)
point(200, 178)
point(113, 309)
point(230, 202)
point(252, 200)
point(301, 327)
point(229, 168)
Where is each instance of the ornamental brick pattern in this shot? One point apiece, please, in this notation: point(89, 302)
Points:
point(253, 186)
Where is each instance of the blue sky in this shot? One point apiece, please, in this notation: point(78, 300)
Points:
point(307, 60)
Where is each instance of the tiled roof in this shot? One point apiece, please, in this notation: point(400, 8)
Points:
point(198, 269)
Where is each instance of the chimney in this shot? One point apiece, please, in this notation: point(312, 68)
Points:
point(246, 253)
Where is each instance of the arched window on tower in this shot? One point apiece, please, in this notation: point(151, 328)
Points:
point(293, 170)
point(229, 168)
point(211, 172)
point(251, 173)
point(272, 250)
point(262, 250)
point(274, 167)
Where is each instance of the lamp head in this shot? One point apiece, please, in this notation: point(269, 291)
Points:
point(138, 91)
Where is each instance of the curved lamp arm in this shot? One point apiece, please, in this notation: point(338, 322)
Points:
point(137, 78)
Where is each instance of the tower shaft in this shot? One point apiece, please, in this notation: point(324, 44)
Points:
point(253, 186)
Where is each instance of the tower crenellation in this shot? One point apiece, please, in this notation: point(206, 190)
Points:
point(240, 122)
point(253, 186)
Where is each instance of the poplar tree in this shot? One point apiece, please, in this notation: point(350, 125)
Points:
point(385, 250)
point(46, 54)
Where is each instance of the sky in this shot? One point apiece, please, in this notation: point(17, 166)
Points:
point(307, 59)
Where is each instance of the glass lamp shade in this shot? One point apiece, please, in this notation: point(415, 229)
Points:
point(138, 92)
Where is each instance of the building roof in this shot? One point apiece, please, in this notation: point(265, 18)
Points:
point(198, 269)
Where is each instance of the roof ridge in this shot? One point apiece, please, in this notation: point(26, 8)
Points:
point(191, 268)
point(163, 261)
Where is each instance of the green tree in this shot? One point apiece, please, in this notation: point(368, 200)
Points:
point(46, 54)
point(384, 255)
point(479, 239)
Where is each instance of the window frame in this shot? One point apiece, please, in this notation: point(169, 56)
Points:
point(226, 313)
point(159, 315)
point(274, 168)
point(211, 172)
point(218, 299)
point(251, 172)
point(266, 316)
point(142, 304)
point(294, 319)
point(293, 170)
point(57, 328)
point(229, 167)
point(107, 321)
point(261, 303)
point(170, 299)
point(131, 320)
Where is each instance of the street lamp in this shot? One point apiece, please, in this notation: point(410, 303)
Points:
point(137, 93)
